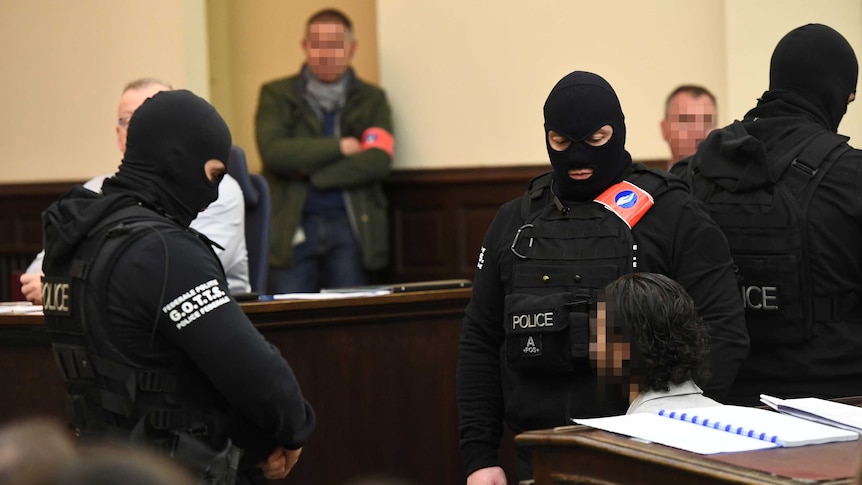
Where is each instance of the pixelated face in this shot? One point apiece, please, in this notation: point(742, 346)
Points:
point(129, 102)
point(610, 354)
point(329, 48)
point(689, 119)
point(610, 348)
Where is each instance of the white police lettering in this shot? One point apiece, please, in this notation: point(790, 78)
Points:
point(760, 297)
point(481, 258)
point(533, 320)
point(55, 297)
point(530, 348)
point(195, 302)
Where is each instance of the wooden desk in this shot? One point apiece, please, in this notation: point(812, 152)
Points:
point(586, 455)
point(379, 372)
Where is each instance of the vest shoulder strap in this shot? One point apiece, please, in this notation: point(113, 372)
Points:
point(537, 195)
point(812, 164)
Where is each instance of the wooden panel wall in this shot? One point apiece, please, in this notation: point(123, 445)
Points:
point(379, 373)
point(438, 219)
point(21, 207)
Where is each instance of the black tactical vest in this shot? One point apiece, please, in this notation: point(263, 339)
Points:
point(107, 393)
point(766, 231)
point(564, 257)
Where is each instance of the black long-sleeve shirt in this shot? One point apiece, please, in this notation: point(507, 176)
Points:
point(169, 306)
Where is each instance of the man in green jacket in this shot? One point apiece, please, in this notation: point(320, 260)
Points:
point(325, 138)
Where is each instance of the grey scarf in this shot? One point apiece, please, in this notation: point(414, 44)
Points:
point(326, 97)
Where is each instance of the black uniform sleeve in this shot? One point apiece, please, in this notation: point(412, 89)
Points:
point(171, 286)
point(702, 264)
point(480, 394)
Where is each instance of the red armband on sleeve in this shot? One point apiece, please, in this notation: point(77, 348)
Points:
point(378, 138)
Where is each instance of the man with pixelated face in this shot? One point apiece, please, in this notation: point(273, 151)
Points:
point(650, 344)
point(329, 47)
point(611, 352)
point(689, 117)
point(325, 140)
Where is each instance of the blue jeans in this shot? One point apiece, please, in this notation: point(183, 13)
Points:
point(330, 257)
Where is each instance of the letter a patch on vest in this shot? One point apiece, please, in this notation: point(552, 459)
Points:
point(531, 345)
point(626, 200)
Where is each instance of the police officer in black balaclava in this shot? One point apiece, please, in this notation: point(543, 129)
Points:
point(168, 146)
point(814, 69)
point(145, 298)
point(526, 352)
point(579, 107)
point(803, 313)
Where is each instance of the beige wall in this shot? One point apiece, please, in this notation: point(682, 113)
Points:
point(750, 43)
point(64, 66)
point(466, 79)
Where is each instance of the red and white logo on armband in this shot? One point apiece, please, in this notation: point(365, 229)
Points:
point(378, 138)
point(626, 200)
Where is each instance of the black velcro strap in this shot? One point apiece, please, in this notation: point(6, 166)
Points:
point(156, 381)
point(168, 419)
point(74, 363)
point(808, 163)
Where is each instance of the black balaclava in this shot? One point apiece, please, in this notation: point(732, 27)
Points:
point(580, 104)
point(171, 137)
point(817, 63)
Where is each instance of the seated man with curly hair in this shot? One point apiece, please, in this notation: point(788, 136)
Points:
point(650, 342)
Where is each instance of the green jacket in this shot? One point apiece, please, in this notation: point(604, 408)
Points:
point(295, 154)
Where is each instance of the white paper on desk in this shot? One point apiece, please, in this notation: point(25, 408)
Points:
point(19, 309)
point(329, 296)
point(676, 434)
point(832, 413)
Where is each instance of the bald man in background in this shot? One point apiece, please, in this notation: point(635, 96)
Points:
point(223, 221)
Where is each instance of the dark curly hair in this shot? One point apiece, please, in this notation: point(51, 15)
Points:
point(669, 340)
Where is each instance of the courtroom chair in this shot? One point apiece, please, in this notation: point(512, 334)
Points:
point(255, 192)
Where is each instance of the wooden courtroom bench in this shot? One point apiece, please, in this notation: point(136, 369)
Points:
point(584, 455)
point(379, 372)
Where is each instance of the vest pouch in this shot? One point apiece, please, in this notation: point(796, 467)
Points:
point(539, 332)
point(772, 295)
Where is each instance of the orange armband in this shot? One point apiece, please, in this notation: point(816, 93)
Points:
point(626, 200)
point(378, 138)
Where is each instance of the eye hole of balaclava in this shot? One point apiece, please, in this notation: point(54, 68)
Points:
point(171, 137)
point(818, 63)
point(580, 105)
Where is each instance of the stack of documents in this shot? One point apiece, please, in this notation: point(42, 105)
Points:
point(721, 429)
point(832, 413)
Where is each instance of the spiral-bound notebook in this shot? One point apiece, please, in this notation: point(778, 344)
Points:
point(721, 429)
